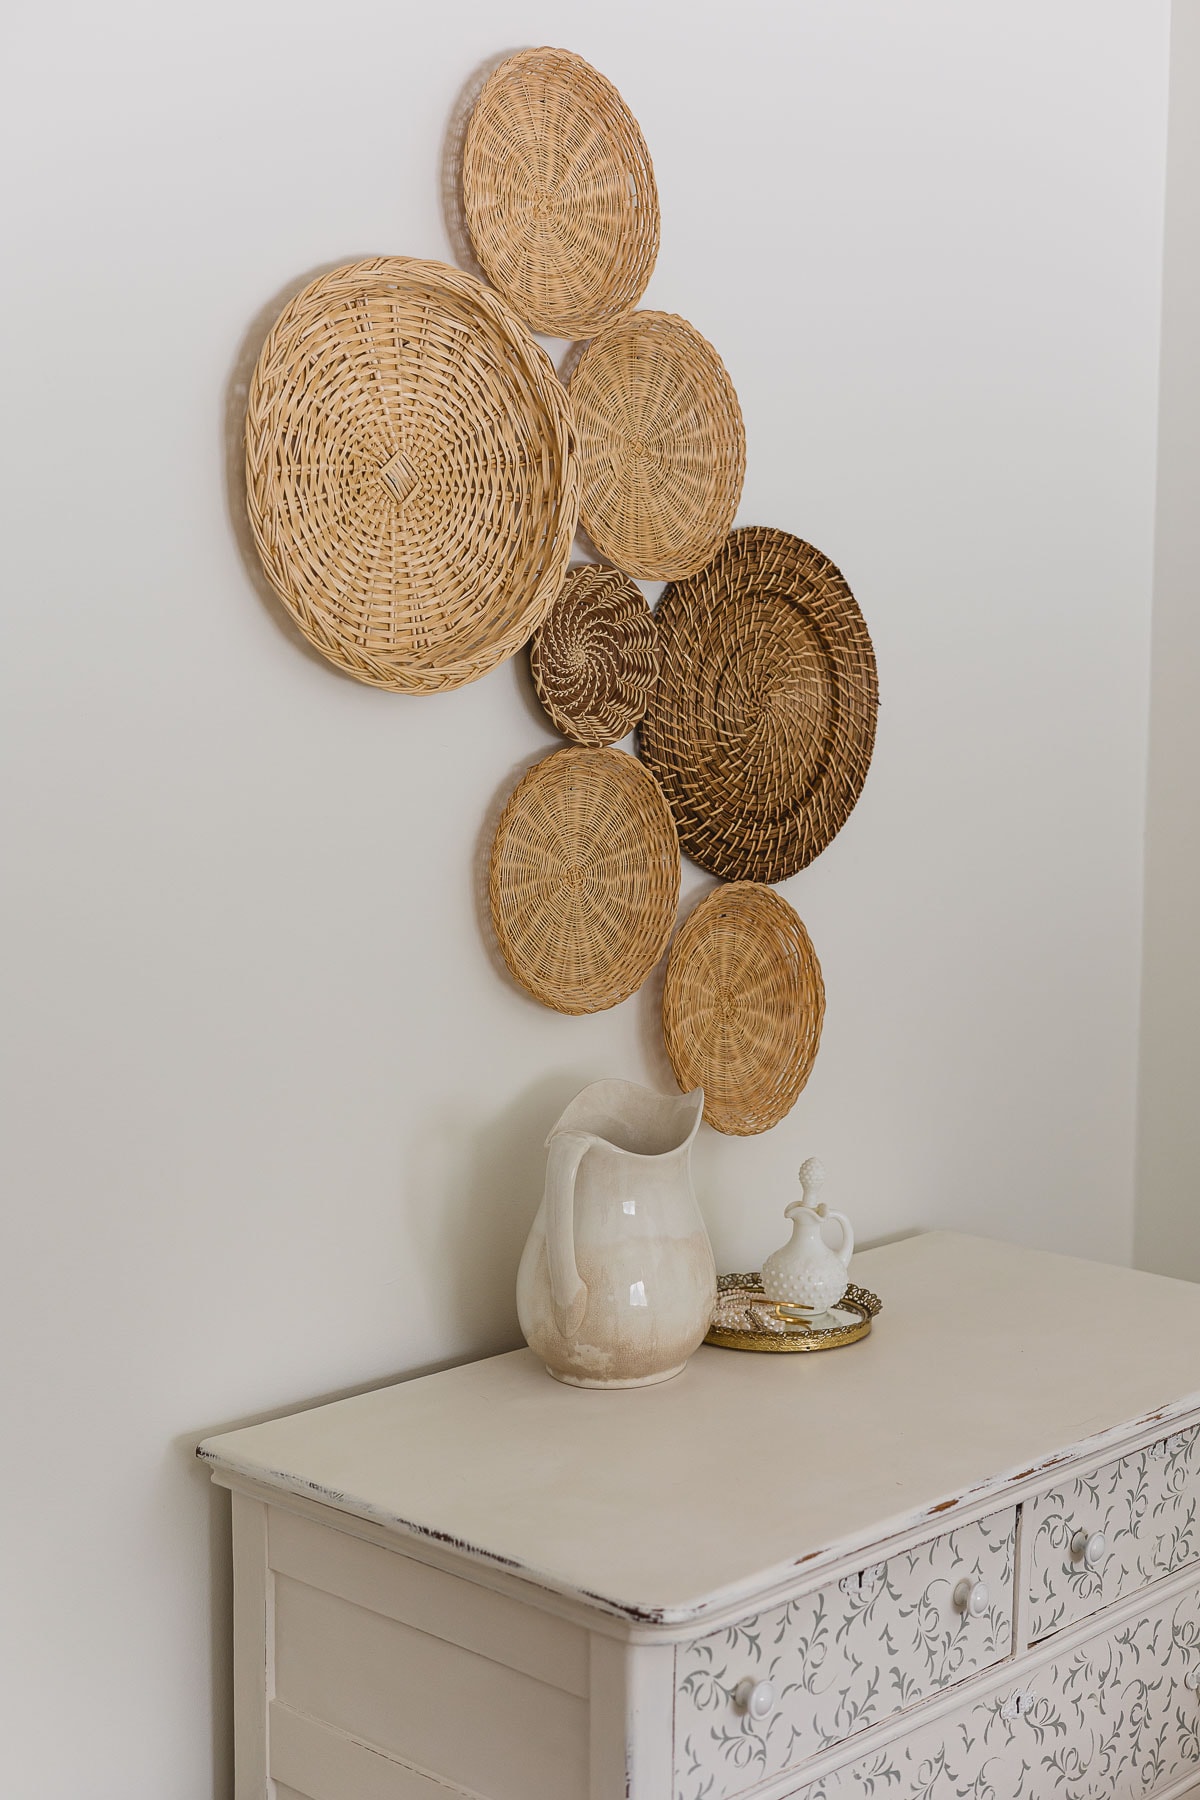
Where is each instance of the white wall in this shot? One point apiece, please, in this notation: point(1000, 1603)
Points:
point(276, 1117)
point(1168, 1220)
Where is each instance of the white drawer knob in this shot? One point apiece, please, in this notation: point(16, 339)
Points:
point(1090, 1548)
point(1192, 1678)
point(756, 1698)
point(972, 1598)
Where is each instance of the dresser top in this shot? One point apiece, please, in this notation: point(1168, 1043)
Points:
point(660, 1503)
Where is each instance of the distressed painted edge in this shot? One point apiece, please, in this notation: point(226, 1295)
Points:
point(783, 1580)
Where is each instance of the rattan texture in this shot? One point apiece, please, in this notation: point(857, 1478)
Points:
point(762, 723)
point(743, 1005)
point(662, 446)
point(411, 478)
point(595, 656)
point(584, 879)
point(559, 193)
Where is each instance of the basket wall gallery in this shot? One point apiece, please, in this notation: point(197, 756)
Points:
point(416, 473)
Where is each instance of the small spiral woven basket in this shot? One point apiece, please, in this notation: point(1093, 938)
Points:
point(762, 723)
point(559, 194)
point(743, 1006)
point(584, 880)
point(662, 446)
point(595, 656)
point(410, 472)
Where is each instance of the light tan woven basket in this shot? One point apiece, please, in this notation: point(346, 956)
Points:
point(595, 656)
point(410, 471)
point(584, 880)
point(762, 722)
point(743, 1005)
point(662, 446)
point(559, 193)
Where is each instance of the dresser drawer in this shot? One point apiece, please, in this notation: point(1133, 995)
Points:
point(840, 1659)
point(1112, 1719)
point(1145, 1506)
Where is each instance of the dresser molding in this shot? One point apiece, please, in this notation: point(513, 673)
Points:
point(253, 1644)
point(1184, 1789)
point(389, 1565)
point(814, 1571)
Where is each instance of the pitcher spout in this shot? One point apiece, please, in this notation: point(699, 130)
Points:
point(632, 1119)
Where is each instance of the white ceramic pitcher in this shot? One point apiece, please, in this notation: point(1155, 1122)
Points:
point(617, 1283)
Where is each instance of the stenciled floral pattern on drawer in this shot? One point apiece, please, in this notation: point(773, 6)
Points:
point(1108, 1721)
point(1146, 1508)
point(840, 1659)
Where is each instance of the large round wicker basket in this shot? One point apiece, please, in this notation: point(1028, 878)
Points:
point(762, 722)
point(584, 881)
point(662, 446)
point(410, 471)
point(743, 1005)
point(559, 193)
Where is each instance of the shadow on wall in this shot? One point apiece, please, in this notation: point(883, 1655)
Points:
point(220, 1554)
point(453, 147)
point(649, 1004)
point(482, 866)
point(488, 1186)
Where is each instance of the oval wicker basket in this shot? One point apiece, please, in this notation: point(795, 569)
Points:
point(410, 470)
point(595, 656)
point(662, 446)
point(559, 193)
point(743, 1005)
point(762, 722)
point(584, 880)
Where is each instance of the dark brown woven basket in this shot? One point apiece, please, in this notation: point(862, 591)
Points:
point(762, 722)
point(595, 656)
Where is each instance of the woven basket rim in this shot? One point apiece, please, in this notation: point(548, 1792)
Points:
point(662, 445)
point(545, 290)
point(643, 887)
point(762, 724)
point(748, 911)
point(440, 652)
point(608, 612)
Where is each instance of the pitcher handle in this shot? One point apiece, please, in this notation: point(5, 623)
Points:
point(845, 1249)
point(568, 1291)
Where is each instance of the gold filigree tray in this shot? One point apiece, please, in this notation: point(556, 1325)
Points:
point(746, 1320)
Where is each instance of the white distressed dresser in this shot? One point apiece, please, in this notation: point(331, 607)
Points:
point(961, 1558)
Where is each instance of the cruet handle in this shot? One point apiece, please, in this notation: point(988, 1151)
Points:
point(568, 1291)
point(845, 1249)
